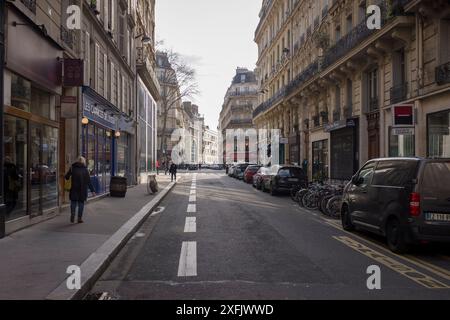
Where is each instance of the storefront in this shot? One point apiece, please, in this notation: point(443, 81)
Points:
point(320, 160)
point(147, 131)
point(31, 124)
point(98, 136)
point(294, 149)
point(438, 134)
point(344, 155)
point(125, 142)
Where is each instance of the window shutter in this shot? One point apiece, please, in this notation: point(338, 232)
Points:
point(105, 79)
point(112, 75)
point(106, 13)
point(96, 67)
point(87, 59)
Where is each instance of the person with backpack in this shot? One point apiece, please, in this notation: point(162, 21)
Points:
point(80, 182)
point(173, 171)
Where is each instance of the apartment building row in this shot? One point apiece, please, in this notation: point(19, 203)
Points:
point(342, 93)
point(240, 101)
point(91, 91)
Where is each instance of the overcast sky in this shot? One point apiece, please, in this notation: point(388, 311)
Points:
point(216, 36)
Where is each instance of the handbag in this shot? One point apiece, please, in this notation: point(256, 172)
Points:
point(68, 182)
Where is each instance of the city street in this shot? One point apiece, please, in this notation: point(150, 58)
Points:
point(215, 237)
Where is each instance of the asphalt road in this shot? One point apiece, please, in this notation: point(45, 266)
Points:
point(218, 238)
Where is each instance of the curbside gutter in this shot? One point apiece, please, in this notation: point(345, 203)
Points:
point(94, 266)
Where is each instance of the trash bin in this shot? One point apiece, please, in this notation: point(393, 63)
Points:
point(118, 187)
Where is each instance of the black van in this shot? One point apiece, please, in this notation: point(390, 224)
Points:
point(407, 200)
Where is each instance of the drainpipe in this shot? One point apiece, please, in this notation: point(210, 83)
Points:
point(2, 63)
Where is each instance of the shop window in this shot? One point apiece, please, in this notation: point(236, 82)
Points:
point(42, 104)
point(320, 160)
point(15, 167)
point(438, 125)
point(20, 93)
point(401, 145)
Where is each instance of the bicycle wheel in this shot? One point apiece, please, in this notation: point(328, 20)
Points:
point(300, 196)
point(334, 207)
point(323, 204)
point(294, 191)
point(310, 201)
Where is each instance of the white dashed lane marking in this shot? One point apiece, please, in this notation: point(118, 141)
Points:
point(192, 208)
point(187, 266)
point(190, 225)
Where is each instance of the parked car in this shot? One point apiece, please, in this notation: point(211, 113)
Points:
point(231, 170)
point(239, 171)
point(259, 176)
point(407, 200)
point(283, 178)
point(250, 172)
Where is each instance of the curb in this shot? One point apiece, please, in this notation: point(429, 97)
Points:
point(94, 266)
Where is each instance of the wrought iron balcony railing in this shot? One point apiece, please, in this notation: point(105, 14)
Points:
point(30, 4)
point(241, 121)
point(443, 74)
point(242, 93)
point(374, 104)
point(304, 76)
point(399, 92)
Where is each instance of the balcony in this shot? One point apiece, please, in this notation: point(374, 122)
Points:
point(68, 37)
point(244, 107)
point(399, 92)
point(304, 76)
point(374, 104)
point(30, 4)
point(241, 122)
point(242, 93)
point(443, 74)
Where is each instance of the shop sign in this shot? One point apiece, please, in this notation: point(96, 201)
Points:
point(69, 107)
point(341, 124)
point(98, 114)
point(284, 140)
point(403, 115)
point(73, 72)
point(403, 131)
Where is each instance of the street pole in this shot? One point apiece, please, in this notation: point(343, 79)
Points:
point(2, 63)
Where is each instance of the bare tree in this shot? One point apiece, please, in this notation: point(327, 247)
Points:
point(178, 82)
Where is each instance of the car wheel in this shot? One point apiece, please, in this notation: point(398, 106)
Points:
point(347, 224)
point(395, 234)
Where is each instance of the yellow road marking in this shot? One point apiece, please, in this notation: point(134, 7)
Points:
point(414, 260)
point(399, 267)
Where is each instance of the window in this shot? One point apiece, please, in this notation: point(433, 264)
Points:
point(284, 173)
point(394, 173)
point(20, 92)
point(436, 171)
point(401, 145)
point(337, 33)
point(362, 11)
point(444, 44)
point(372, 90)
point(366, 174)
point(439, 134)
point(349, 23)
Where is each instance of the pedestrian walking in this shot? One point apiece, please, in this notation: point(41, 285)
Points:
point(173, 171)
point(80, 182)
point(157, 167)
point(11, 184)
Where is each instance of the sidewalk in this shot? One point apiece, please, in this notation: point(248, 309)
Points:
point(34, 260)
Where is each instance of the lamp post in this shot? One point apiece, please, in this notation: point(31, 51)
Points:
point(2, 62)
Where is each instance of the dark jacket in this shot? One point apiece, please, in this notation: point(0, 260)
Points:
point(80, 182)
point(173, 168)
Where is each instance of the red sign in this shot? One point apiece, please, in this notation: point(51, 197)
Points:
point(73, 72)
point(403, 115)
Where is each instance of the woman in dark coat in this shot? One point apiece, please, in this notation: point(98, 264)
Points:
point(79, 188)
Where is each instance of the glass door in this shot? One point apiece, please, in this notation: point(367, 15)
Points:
point(35, 170)
point(43, 172)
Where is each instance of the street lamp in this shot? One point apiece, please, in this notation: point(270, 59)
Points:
point(85, 121)
point(145, 39)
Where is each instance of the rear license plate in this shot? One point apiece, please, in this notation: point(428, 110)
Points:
point(293, 180)
point(444, 217)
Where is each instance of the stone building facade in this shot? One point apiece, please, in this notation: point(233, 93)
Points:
point(343, 93)
point(240, 100)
